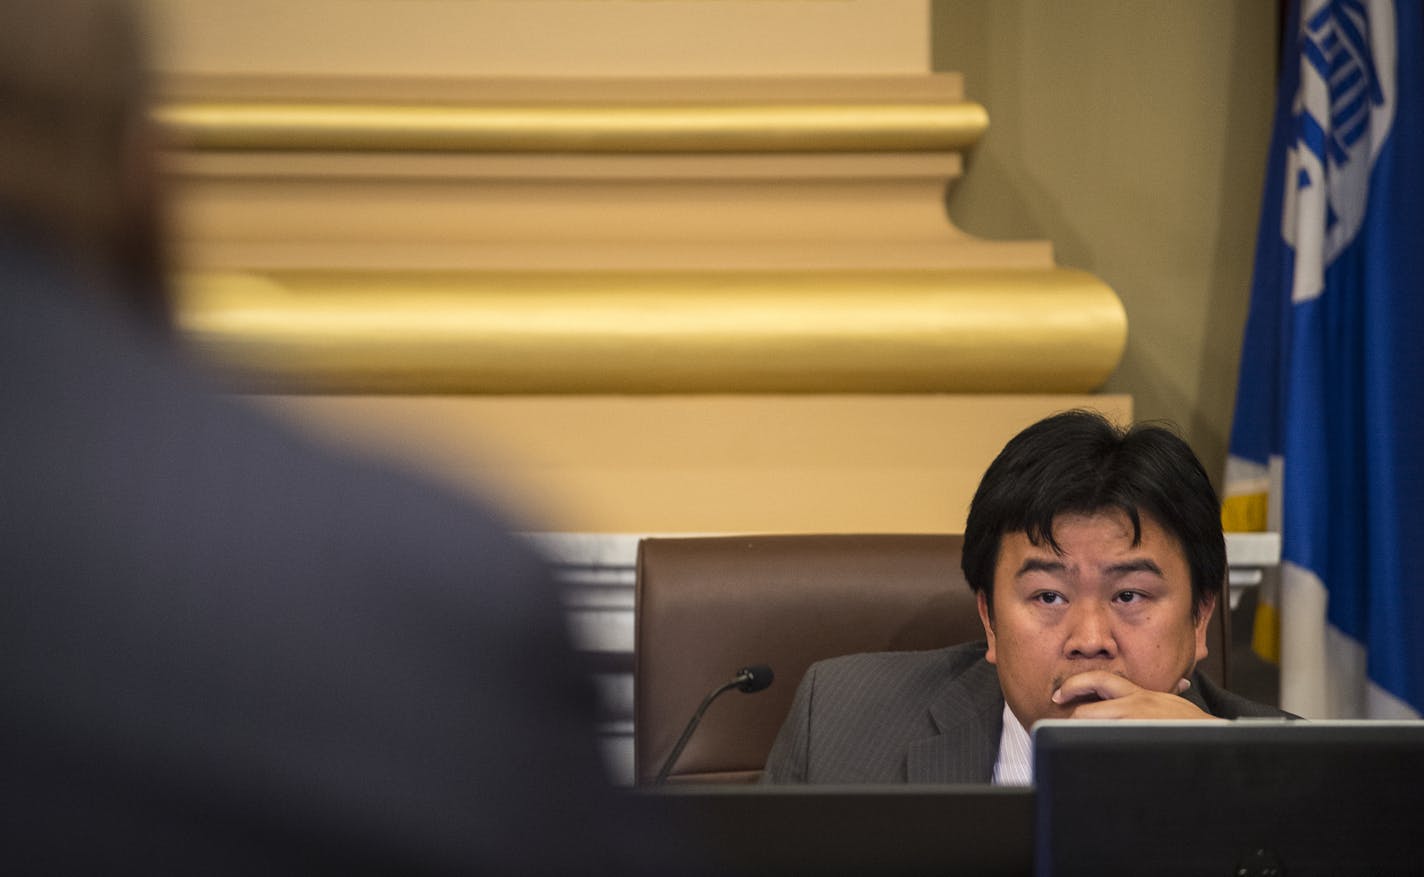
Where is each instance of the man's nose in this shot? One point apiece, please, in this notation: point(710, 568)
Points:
point(1090, 633)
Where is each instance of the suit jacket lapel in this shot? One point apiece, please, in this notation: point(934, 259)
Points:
point(969, 713)
point(1194, 694)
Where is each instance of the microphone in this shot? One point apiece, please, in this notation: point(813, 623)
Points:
point(748, 680)
point(755, 678)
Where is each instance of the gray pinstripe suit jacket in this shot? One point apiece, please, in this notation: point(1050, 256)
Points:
point(917, 717)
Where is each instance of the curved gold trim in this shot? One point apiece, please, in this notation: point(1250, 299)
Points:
point(1009, 331)
point(568, 129)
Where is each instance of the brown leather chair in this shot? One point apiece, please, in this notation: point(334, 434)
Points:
point(708, 606)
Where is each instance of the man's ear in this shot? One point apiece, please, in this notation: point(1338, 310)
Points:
point(1203, 619)
point(988, 623)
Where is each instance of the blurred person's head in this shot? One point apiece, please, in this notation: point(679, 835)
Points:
point(77, 151)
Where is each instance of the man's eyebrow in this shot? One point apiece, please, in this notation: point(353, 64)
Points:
point(1039, 564)
point(1142, 564)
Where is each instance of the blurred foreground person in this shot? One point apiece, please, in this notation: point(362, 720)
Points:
point(223, 651)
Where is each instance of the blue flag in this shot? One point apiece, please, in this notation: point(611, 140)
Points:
point(1330, 411)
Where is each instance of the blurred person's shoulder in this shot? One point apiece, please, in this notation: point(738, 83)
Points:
point(119, 443)
point(245, 603)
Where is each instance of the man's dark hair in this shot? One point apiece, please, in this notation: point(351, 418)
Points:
point(1079, 463)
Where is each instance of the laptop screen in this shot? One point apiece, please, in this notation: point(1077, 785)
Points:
point(1246, 797)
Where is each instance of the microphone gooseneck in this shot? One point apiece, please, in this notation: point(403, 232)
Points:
point(748, 680)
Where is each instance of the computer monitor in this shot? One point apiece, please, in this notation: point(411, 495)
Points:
point(1251, 797)
point(851, 830)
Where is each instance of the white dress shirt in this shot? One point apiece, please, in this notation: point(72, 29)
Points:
point(1014, 766)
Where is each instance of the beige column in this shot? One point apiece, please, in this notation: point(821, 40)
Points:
point(640, 266)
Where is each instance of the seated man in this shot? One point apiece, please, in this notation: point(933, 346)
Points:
point(1097, 557)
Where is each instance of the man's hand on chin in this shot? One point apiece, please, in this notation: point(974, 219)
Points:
point(1098, 694)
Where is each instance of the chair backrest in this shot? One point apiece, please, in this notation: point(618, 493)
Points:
point(708, 606)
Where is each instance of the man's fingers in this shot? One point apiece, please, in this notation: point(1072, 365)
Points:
point(1092, 686)
point(1143, 705)
point(1096, 685)
point(1098, 694)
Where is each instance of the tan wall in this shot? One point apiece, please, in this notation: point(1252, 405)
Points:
point(462, 38)
point(701, 464)
point(1133, 135)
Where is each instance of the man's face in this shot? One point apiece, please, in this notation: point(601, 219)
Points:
point(1103, 604)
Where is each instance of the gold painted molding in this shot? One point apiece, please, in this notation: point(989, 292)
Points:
point(611, 128)
point(1004, 331)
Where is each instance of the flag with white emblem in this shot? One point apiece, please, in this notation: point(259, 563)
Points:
point(1328, 440)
